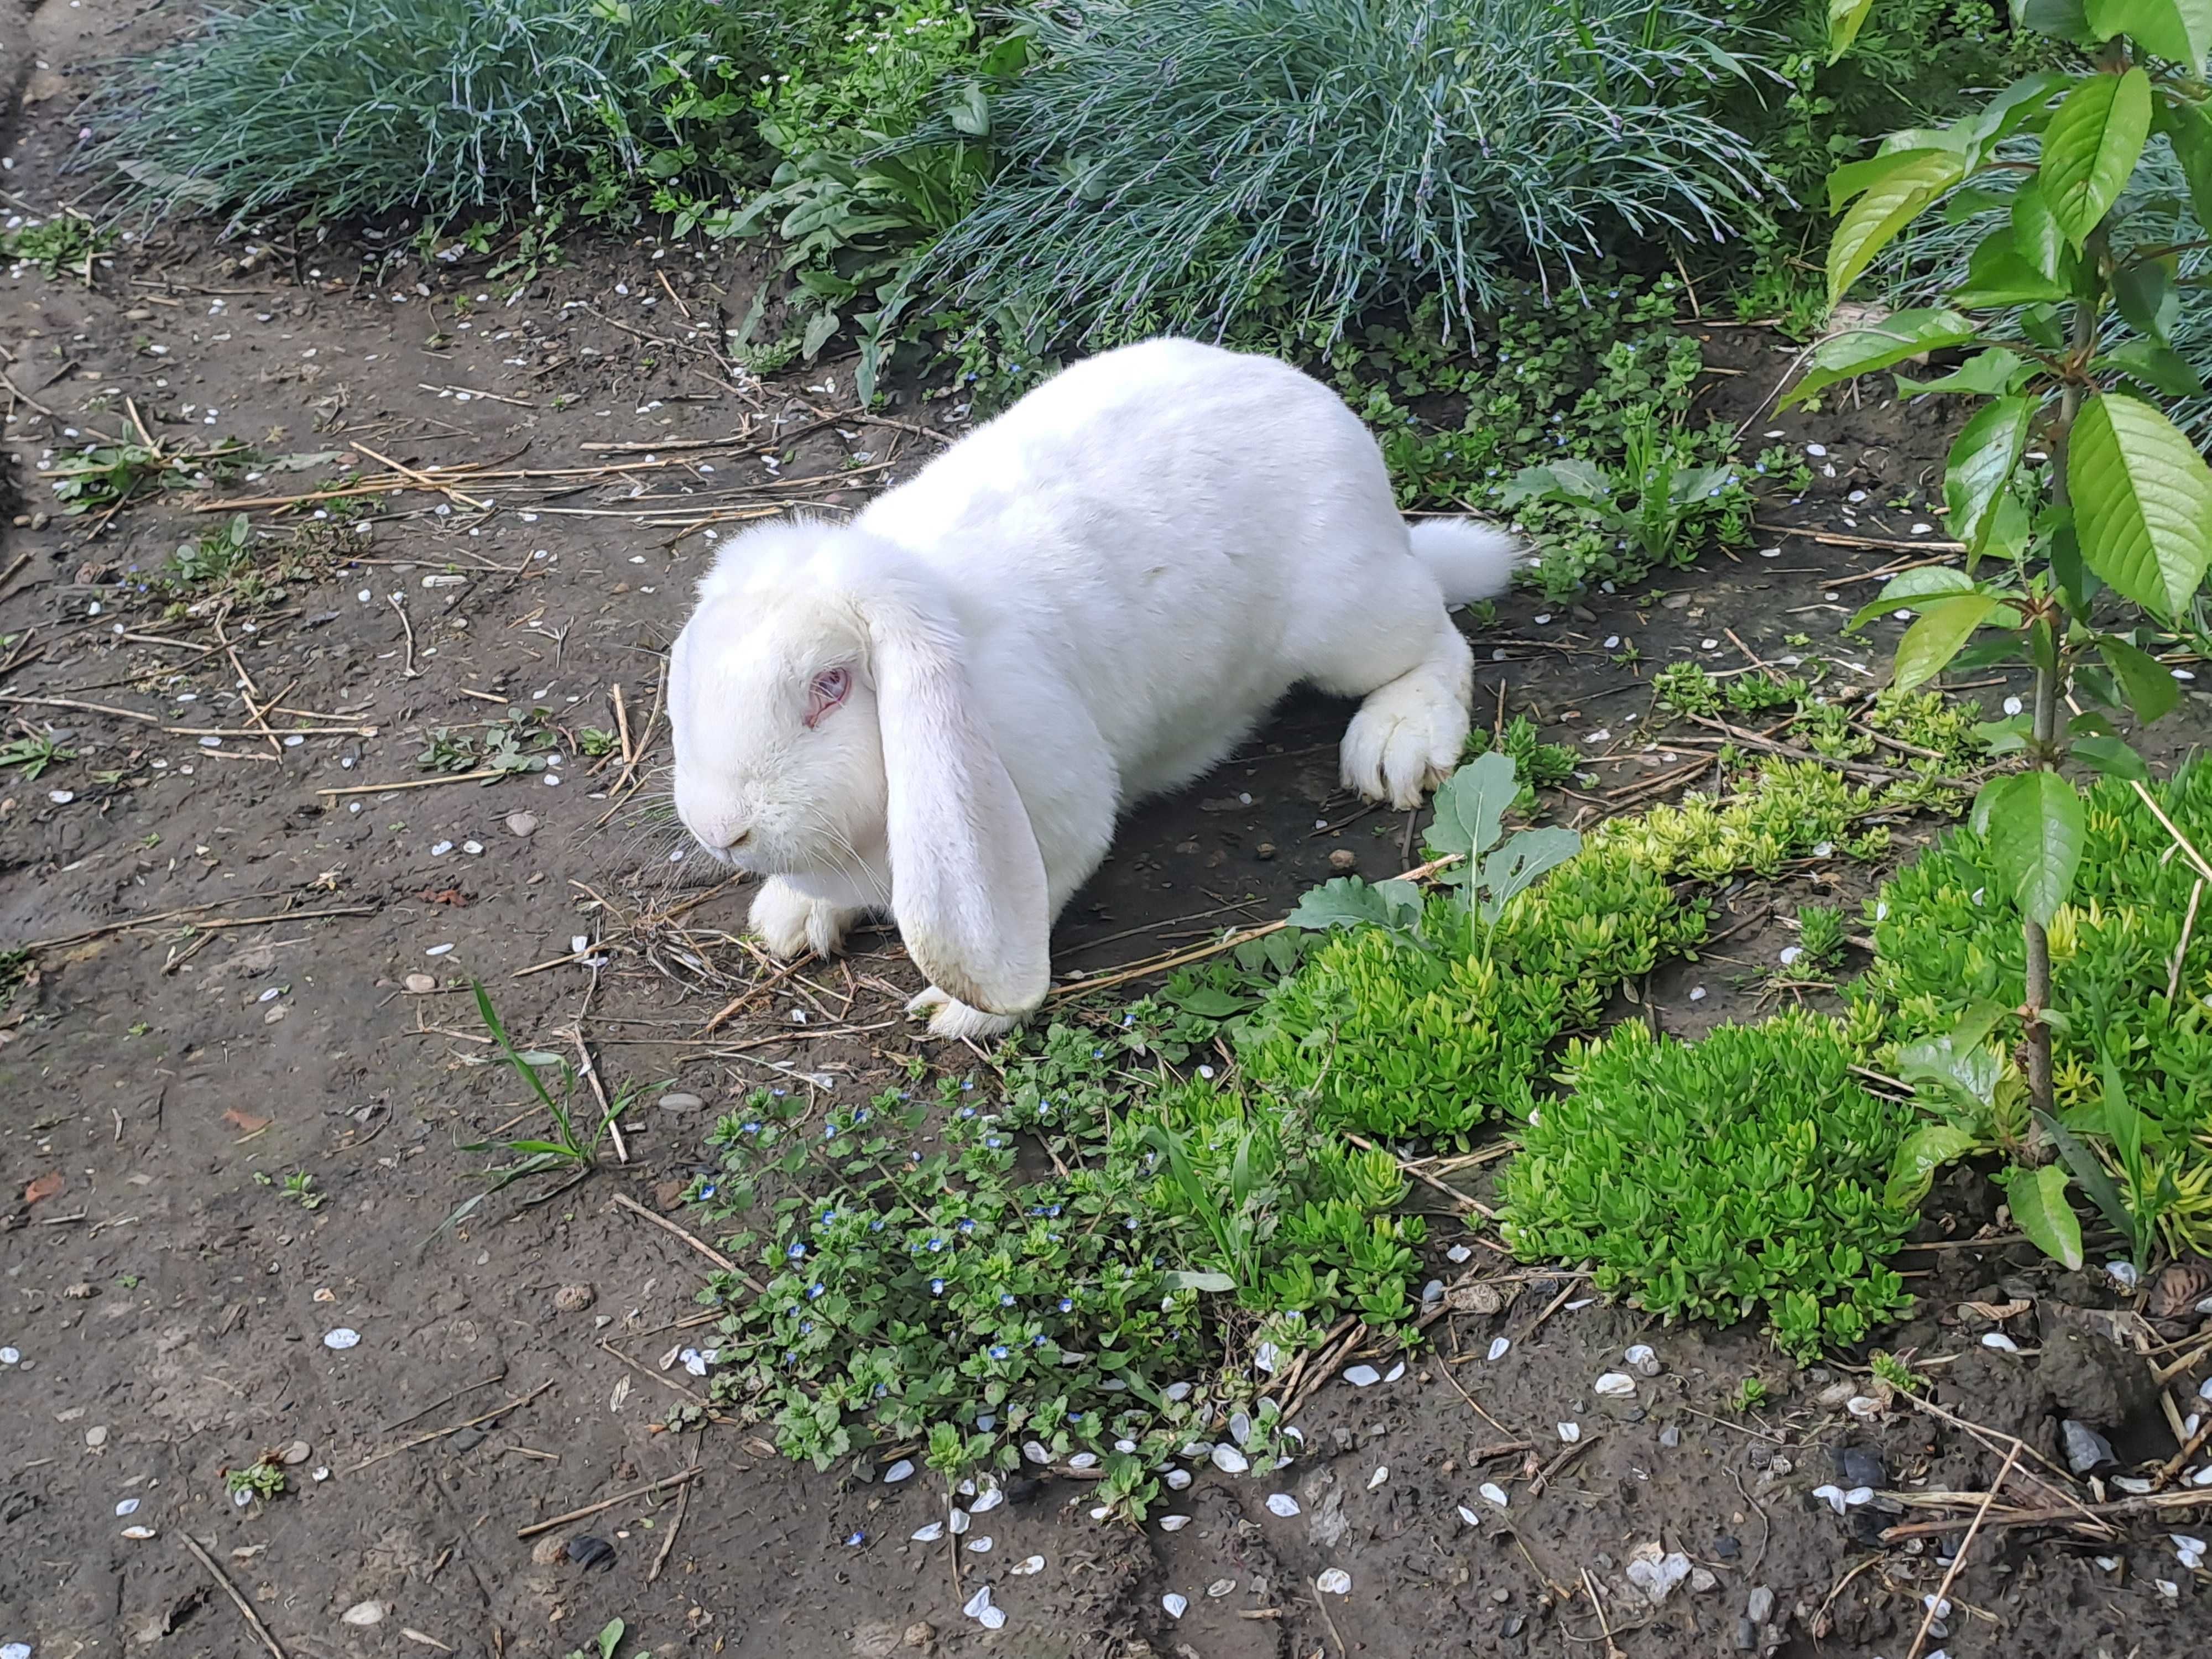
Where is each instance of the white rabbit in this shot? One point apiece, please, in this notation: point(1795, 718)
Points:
point(939, 709)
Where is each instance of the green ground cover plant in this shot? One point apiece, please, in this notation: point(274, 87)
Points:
point(2132, 1016)
point(1742, 1174)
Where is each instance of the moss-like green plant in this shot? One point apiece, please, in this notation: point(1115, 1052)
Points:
point(1719, 1179)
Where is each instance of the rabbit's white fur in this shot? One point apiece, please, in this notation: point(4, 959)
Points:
point(1090, 599)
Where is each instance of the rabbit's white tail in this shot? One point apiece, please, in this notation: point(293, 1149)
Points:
point(1470, 561)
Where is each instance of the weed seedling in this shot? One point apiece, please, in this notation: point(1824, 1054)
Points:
point(565, 1153)
point(34, 754)
point(67, 241)
point(261, 1479)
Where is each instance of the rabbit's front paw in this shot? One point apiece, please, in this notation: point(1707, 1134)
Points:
point(951, 1017)
point(791, 923)
point(1406, 739)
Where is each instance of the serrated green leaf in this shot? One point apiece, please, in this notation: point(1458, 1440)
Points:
point(1986, 373)
point(1348, 902)
point(2035, 834)
point(1893, 200)
point(2143, 502)
point(2110, 756)
point(1521, 861)
point(1862, 350)
point(2159, 367)
point(2150, 690)
point(1469, 807)
point(2176, 30)
point(2038, 1203)
point(1845, 17)
point(1983, 460)
point(2091, 147)
point(1945, 623)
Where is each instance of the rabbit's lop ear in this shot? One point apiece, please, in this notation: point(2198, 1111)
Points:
point(967, 883)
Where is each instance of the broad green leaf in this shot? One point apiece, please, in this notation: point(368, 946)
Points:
point(1517, 865)
point(2089, 1171)
point(1576, 479)
point(2110, 755)
point(1927, 581)
point(1999, 274)
point(2035, 234)
point(2038, 1203)
point(819, 328)
point(1469, 805)
point(1891, 203)
point(1348, 902)
point(2149, 302)
point(1845, 17)
point(1985, 374)
point(2035, 836)
point(1912, 1171)
point(2091, 147)
point(1181, 1279)
point(2143, 502)
point(1862, 350)
point(2176, 30)
point(2062, 20)
point(2016, 107)
point(2123, 1119)
point(2151, 692)
point(2188, 129)
point(2159, 367)
point(1944, 625)
point(1854, 178)
point(1982, 462)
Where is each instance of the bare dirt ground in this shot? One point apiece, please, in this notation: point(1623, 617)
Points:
point(227, 922)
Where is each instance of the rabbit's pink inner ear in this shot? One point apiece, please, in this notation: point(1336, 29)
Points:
point(967, 883)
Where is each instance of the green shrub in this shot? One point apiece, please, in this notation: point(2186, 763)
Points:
point(1941, 947)
point(1742, 1173)
point(349, 108)
point(1174, 165)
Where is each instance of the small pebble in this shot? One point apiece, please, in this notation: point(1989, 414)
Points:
point(363, 1614)
point(522, 824)
point(675, 1101)
point(1343, 860)
point(573, 1299)
point(420, 985)
point(1174, 1523)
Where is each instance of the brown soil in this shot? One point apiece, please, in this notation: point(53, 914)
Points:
point(221, 1003)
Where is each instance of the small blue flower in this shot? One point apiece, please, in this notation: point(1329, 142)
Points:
point(806, 1327)
point(1038, 1340)
point(708, 1191)
point(934, 1244)
point(999, 1351)
point(937, 1287)
point(856, 1540)
point(1067, 1304)
point(877, 1225)
point(967, 1112)
point(796, 1251)
point(752, 1128)
point(993, 1142)
point(1006, 1301)
point(882, 1389)
point(828, 1131)
point(966, 1084)
point(828, 1216)
point(967, 1225)
point(860, 1116)
point(816, 1290)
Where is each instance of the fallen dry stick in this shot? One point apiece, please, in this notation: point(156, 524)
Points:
point(245, 1609)
point(647, 1490)
point(412, 783)
point(1936, 1602)
point(624, 1201)
point(515, 1404)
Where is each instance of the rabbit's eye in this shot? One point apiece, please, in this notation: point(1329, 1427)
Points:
point(830, 688)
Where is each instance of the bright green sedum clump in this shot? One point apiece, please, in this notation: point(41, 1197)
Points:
point(1736, 1175)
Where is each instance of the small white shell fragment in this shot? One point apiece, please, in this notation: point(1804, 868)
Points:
point(1697, 994)
point(987, 1501)
point(1334, 1581)
point(978, 1603)
point(1174, 1523)
point(363, 1614)
point(928, 1535)
point(994, 1618)
point(1498, 1346)
point(1490, 1492)
point(956, 1523)
point(1083, 1460)
point(1395, 1372)
point(1035, 1453)
point(1230, 1461)
point(1833, 1496)
point(2204, 1390)
point(1177, 1605)
point(1099, 1512)
point(128, 1506)
point(1240, 1428)
point(1469, 1516)
point(1176, 1391)
point(1577, 1305)
point(981, 1546)
point(1642, 1360)
point(1282, 1504)
point(1615, 1385)
point(1362, 1376)
point(1024, 1569)
point(2000, 1342)
point(1177, 1479)
point(897, 1472)
point(1382, 1474)
point(343, 1337)
point(1221, 1587)
point(1569, 1432)
point(2134, 1484)
point(1458, 1253)
point(138, 1532)
point(1863, 1405)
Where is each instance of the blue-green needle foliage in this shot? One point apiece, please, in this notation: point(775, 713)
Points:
point(1184, 163)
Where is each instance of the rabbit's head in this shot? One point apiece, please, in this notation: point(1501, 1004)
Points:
point(822, 723)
